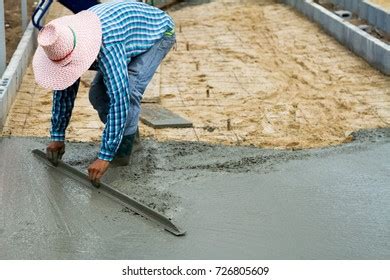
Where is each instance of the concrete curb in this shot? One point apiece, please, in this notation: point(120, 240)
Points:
point(374, 14)
point(13, 75)
point(373, 50)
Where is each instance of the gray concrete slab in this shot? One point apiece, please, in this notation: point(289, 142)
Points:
point(235, 202)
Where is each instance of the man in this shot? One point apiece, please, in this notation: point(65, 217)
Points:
point(126, 42)
point(78, 6)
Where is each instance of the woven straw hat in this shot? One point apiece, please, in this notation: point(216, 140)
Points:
point(67, 47)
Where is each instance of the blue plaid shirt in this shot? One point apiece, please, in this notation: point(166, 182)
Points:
point(129, 29)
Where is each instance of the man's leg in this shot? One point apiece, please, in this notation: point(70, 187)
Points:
point(98, 97)
point(141, 71)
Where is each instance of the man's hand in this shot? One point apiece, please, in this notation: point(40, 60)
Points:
point(97, 169)
point(54, 151)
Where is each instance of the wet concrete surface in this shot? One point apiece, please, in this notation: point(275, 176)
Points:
point(234, 202)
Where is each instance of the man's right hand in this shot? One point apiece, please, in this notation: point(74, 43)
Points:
point(54, 151)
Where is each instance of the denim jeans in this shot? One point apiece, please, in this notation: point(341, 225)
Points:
point(141, 70)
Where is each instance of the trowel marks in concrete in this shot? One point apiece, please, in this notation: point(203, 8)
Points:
point(45, 214)
point(236, 203)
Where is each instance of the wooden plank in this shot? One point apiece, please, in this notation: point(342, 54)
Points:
point(164, 4)
point(156, 116)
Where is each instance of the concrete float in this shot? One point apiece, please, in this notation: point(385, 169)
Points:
point(373, 50)
point(102, 188)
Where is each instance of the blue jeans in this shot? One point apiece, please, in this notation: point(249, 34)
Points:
point(141, 71)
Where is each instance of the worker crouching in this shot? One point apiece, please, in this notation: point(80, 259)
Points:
point(125, 42)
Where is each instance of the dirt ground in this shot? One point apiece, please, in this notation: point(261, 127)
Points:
point(13, 30)
point(274, 76)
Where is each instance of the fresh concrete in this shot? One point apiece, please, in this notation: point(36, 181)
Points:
point(236, 203)
point(373, 50)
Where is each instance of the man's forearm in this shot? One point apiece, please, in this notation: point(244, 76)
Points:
point(63, 102)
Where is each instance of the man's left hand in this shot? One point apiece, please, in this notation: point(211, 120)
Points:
point(97, 169)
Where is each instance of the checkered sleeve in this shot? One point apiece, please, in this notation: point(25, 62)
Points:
point(63, 102)
point(113, 65)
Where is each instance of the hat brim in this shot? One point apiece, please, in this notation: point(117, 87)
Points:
point(53, 75)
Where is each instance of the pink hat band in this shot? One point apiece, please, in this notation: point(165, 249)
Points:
point(58, 42)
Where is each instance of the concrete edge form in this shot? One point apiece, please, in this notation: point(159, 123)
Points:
point(13, 75)
point(373, 13)
point(3, 52)
point(373, 50)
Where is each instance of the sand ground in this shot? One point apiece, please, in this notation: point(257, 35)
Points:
point(383, 3)
point(276, 77)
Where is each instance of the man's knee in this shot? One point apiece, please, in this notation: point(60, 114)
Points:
point(136, 95)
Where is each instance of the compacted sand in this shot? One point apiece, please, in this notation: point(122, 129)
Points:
point(280, 80)
point(247, 73)
point(383, 3)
